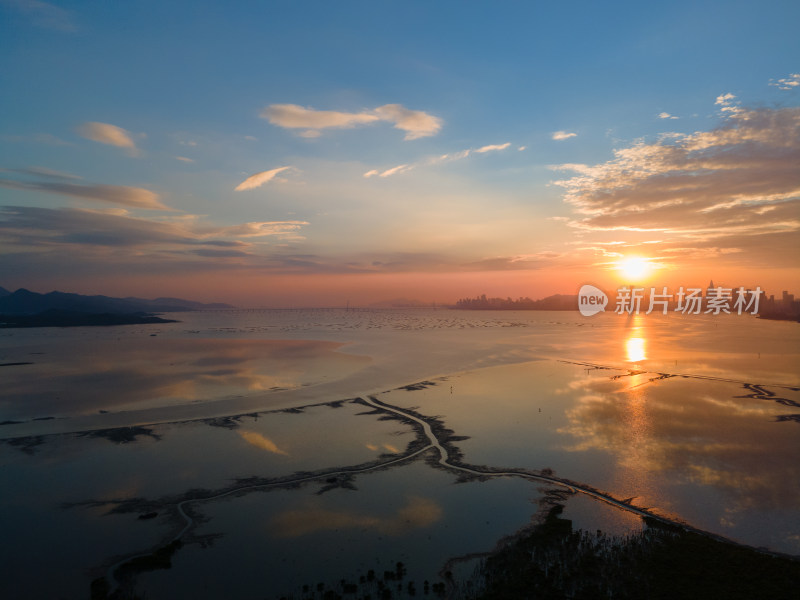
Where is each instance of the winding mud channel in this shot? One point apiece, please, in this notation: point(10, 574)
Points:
point(448, 458)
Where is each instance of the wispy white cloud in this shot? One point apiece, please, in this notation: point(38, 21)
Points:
point(666, 115)
point(787, 83)
point(415, 123)
point(563, 135)
point(435, 160)
point(184, 159)
point(493, 148)
point(293, 116)
point(259, 179)
point(727, 104)
point(255, 229)
point(388, 172)
point(106, 133)
point(450, 156)
point(395, 170)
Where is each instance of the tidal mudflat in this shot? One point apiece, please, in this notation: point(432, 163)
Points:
point(252, 453)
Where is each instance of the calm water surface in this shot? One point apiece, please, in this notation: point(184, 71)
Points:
point(694, 417)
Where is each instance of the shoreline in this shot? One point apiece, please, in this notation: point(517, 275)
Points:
point(300, 397)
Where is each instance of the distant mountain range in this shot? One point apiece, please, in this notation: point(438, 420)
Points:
point(25, 302)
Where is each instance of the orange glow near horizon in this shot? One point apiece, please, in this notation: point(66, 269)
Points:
point(247, 289)
point(252, 289)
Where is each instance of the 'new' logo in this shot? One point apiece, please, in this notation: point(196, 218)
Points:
point(591, 300)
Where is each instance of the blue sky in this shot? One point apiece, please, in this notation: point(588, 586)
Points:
point(127, 128)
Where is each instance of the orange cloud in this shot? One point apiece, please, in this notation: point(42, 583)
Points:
point(106, 133)
point(563, 135)
point(415, 123)
point(735, 185)
point(493, 148)
point(259, 179)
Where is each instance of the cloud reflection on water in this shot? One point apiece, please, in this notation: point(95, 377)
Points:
point(75, 377)
point(696, 433)
point(261, 441)
point(417, 513)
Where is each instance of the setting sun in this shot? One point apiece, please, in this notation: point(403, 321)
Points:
point(634, 268)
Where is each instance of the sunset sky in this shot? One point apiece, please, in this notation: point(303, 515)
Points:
point(311, 153)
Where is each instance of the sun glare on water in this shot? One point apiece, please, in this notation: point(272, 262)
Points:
point(635, 349)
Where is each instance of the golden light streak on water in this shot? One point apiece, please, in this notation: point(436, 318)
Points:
point(635, 349)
